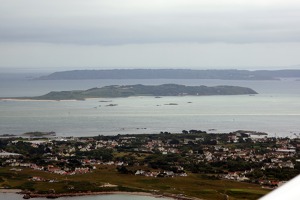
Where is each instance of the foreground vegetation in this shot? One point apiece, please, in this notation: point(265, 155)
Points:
point(194, 185)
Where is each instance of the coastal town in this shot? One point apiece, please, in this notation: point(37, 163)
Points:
point(241, 156)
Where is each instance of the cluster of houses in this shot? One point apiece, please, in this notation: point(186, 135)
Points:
point(159, 173)
point(49, 168)
point(276, 153)
point(236, 176)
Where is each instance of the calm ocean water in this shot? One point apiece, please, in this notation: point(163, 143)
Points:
point(275, 110)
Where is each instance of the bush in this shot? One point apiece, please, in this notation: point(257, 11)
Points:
point(27, 186)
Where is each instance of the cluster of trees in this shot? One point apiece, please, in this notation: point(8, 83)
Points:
point(276, 173)
point(103, 154)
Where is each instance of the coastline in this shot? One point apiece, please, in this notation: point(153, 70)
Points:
point(17, 191)
point(28, 195)
point(35, 100)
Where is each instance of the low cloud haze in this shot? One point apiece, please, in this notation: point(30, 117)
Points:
point(77, 34)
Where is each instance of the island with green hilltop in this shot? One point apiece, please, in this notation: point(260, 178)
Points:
point(144, 90)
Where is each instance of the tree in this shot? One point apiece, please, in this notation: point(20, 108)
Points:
point(174, 141)
point(123, 170)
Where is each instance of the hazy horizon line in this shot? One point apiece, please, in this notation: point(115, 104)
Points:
point(12, 70)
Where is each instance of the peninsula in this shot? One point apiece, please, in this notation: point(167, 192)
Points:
point(144, 90)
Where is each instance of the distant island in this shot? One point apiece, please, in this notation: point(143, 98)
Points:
point(228, 74)
point(144, 90)
point(39, 134)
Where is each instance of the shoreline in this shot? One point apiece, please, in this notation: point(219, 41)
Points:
point(16, 191)
point(29, 195)
point(34, 100)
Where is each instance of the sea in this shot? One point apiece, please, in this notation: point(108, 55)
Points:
point(274, 110)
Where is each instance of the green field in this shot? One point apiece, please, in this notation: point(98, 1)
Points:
point(194, 185)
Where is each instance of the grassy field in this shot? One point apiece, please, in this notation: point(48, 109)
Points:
point(194, 185)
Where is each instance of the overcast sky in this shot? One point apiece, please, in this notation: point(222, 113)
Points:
point(102, 34)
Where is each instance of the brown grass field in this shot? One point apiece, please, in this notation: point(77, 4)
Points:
point(195, 185)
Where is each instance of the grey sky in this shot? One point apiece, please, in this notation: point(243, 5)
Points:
point(80, 34)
